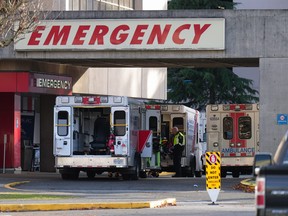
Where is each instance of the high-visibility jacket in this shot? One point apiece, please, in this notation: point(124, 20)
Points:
point(179, 138)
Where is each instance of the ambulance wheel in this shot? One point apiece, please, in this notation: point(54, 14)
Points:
point(136, 170)
point(70, 176)
point(235, 174)
point(126, 176)
point(91, 174)
point(155, 174)
point(75, 175)
point(191, 169)
point(204, 170)
point(198, 174)
point(65, 176)
point(223, 174)
point(143, 174)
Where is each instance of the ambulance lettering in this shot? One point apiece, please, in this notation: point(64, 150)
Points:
point(238, 150)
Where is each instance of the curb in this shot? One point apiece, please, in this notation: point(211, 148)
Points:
point(248, 182)
point(12, 184)
point(86, 206)
point(80, 206)
point(247, 185)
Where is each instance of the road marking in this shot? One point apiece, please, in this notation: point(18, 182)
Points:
point(12, 185)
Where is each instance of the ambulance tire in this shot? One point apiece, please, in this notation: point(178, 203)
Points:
point(223, 174)
point(65, 176)
point(137, 168)
point(198, 174)
point(99, 172)
point(91, 174)
point(70, 176)
point(235, 174)
point(126, 176)
point(143, 174)
point(204, 170)
point(155, 174)
point(191, 169)
point(75, 175)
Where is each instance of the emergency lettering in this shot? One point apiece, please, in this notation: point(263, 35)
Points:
point(53, 83)
point(59, 35)
point(141, 34)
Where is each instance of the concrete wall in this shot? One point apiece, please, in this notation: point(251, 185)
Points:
point(134, 82)
point(273, 101)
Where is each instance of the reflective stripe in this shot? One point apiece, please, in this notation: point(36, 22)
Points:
point(176, 139)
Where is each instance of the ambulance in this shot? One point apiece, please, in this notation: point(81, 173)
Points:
point(96, 134)
point(187, 120)
point(233, 130)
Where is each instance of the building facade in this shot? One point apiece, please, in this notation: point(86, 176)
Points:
point(28, 90)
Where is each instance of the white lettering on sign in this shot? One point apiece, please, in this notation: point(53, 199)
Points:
point(192, 33)
point(53, 83)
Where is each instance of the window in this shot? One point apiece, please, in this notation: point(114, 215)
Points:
point(178, 122)
point(119, 123)
point(244, 127)
point(227, 128)
point(165, 130)
point(153, 125)
point(62, 124)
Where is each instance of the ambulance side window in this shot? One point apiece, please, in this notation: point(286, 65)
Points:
point(62, 123)
point(245, 127)
point(227, 128)
point(119, 123)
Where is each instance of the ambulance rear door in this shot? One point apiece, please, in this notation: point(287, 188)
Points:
point(120, 121)
point(153, 122)
point(62, 131)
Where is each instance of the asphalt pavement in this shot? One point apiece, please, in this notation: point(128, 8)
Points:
point(14, 183)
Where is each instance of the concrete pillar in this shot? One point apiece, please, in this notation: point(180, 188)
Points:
point(47, 161)
point(273, 101)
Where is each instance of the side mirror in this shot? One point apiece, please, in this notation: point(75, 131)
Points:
point(261, 159)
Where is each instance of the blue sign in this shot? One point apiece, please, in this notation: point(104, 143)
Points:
point(282, 119)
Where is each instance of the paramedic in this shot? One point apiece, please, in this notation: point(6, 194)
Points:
point(178, 147)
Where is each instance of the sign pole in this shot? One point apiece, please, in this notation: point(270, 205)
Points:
point(213, 175)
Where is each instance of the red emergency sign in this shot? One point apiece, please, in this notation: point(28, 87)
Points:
point(126, 34)
point(58, 35)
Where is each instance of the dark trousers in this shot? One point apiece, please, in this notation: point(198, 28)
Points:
point(177, 154)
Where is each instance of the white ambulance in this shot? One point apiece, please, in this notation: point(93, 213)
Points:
point(187, 120)
point(96, 134)
point(233, 130)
